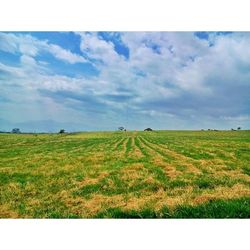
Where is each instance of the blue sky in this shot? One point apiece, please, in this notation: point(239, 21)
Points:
point(102, 80)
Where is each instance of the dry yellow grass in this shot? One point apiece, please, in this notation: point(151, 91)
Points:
point(87, 174)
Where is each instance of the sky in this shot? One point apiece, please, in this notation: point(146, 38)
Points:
point(87, 81)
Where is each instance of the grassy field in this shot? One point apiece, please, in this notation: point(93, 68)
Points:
point(159, 174)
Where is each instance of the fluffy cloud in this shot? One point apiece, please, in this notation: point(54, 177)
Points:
point(30, 46)
point(168, 80)
point(63, 54)
point(99, 49)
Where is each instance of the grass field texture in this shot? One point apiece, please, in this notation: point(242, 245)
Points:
point(158, 174)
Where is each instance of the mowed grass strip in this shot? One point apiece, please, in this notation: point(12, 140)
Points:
point(158, 174)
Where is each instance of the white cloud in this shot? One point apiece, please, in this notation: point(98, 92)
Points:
point(63, 54)
point(176, 66)
point(30, 46)
point(236, 118)
point(176, 78)
point(28, 61)
point(99, 49)
point(15, 72)
point(8, 42)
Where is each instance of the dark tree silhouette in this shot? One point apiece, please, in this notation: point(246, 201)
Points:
point(148, 129)
point(121, 128)
point(239, 128)
point(16, 131)
point(62, 131)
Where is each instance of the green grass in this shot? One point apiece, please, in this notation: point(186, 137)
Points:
point(236, 208)
point(158, 174)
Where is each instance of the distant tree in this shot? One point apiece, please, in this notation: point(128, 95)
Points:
point(62, 131)
point(239, 128)
point(121, 128)
point(148, 129)
point(16, 131)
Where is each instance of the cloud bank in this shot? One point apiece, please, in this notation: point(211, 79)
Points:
point(165, 80)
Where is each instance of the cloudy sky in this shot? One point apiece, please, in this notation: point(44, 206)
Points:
point(103, 80)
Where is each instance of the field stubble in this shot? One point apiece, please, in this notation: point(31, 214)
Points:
point(169, 174)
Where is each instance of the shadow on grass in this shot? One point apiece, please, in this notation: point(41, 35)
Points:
point(236, 208)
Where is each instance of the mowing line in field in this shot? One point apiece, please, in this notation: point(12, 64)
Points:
point(136, 152)
point(204, 165)
point(158, 160)
point(128, 146)
point(177, 158)
point(201, 165)
point(214, 171)
point(155, 147)
point(124, 147)
point(118, 144)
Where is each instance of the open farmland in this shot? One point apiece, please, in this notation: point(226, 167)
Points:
point(163, 174)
